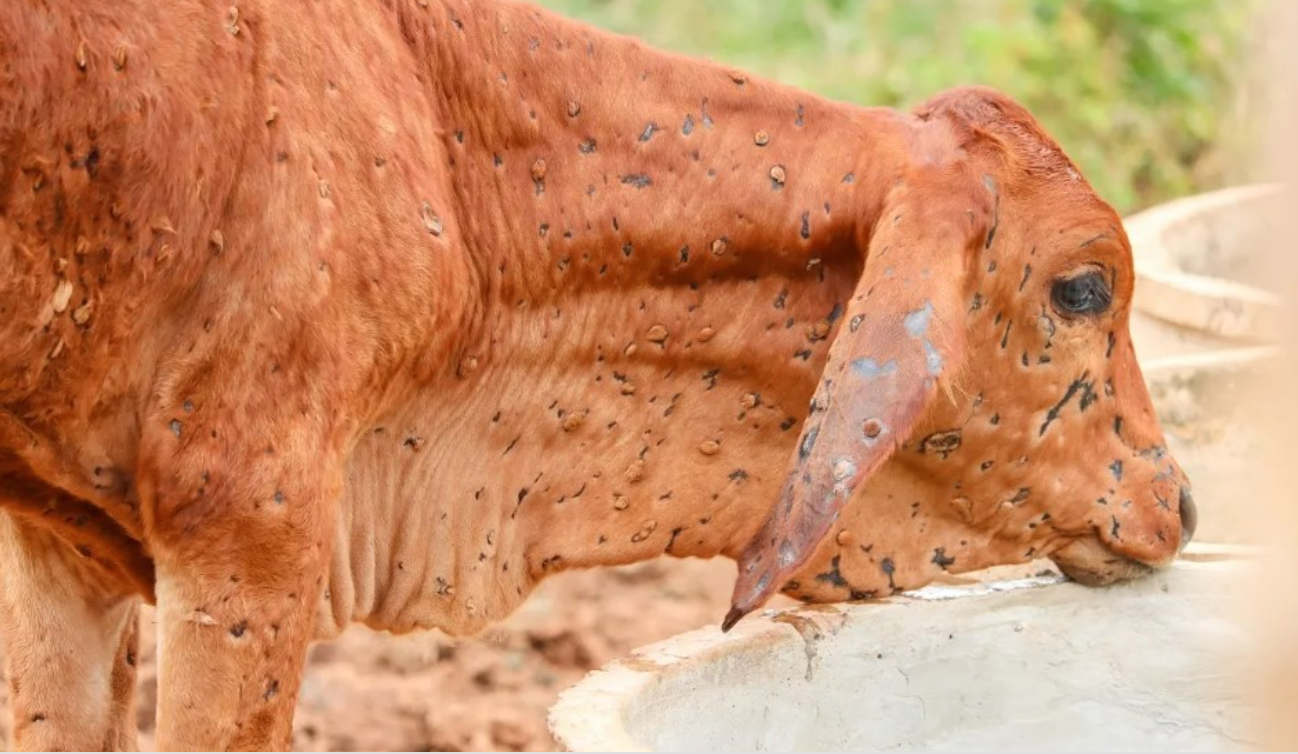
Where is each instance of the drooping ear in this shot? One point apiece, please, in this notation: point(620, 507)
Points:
point(903, 328)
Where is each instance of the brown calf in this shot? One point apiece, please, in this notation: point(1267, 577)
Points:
point(381, 312)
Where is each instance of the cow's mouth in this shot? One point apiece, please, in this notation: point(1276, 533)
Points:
point(1089, 562)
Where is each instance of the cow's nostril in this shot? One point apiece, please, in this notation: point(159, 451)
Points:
point(1189, 516)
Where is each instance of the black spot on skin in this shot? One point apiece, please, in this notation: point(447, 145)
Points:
point(92, 162)
point(833, 576)
point(685, 254)
point(1108, 353)
point(1027, 273)
point(272, 690)
point(889, 568)
point(991, 267)
point(849, 178)
point(1005, 339)
point(687, 127)
point(941, 560)
point(649, 131)
point(279, 497)
point(804, 354)
point(834, 314)
point(710, 377)
point(787, 424)
point(1021, 496)
point(738, 475)
point(996, 419)
point(39, 717)
point(587, 147)
point(986, 465)
point(856, 322)
point(1113, 532)
point(780, 299)
point(239, 628)
point(806, 226)
point(1025, 358)
point(977, 302)
point(637, 180)
point(511, 445)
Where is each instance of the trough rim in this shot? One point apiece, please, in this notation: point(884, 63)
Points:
point(1227, 308)
point(592, 714)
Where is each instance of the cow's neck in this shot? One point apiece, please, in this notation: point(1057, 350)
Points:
point(567, 143)
point(587, 166)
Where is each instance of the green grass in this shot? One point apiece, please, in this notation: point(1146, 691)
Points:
point(1141, 93)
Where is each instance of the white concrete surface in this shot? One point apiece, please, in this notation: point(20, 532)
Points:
point(1023, 665)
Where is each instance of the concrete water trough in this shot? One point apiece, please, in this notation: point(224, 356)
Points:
point(1017, 658)
point(1030, 664)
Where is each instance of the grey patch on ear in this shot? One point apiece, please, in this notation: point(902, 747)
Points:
point(932, 358)
point(871, 369)
point(917, 321)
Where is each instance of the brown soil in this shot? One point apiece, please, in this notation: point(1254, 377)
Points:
point(369, 691)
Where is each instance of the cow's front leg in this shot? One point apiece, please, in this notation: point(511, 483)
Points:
point(71, 637)
point(239, 531)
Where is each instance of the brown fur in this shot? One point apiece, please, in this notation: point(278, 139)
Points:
point(383, 312)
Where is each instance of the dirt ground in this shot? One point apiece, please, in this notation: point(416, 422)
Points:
point(369, 691)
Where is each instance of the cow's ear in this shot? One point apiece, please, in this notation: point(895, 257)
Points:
point(903, 331)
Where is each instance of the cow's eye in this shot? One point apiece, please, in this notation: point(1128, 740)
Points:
point(1084, 294)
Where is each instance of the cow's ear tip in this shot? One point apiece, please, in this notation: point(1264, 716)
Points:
point(734, 616)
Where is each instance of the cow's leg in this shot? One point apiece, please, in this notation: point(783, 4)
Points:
point(241, 561)
point(70, 637)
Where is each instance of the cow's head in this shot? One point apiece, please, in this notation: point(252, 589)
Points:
point(981, 403)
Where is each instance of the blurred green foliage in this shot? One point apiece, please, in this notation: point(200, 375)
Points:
point(1142, 94)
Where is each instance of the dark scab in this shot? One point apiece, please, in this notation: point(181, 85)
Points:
point(849, 178)
point(941, 443)
point(637, 180)
point(188, 406)
point(238, 629)
point(808, 443)
point(781, 299)
point(738, 475)
point(279, 497)
point(687, 127)
point(856, 322)
point(787, 424)
point(833, 576)
point(941, 560)
point(986, 465)
point(649, 131)
point(804, 354)
point(806, 226)
point(1005, 339)
point(685, 254)
point(1027, 273)
point(1108, 353)
point(587, 147)
point(627, 249)
point(1113, 532)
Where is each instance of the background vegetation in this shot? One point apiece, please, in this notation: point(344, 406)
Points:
point(1141, 93)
